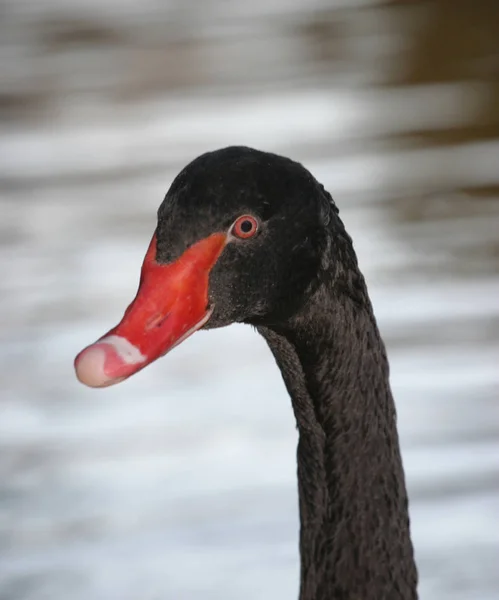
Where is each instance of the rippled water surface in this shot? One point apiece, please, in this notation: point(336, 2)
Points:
point(180, 483)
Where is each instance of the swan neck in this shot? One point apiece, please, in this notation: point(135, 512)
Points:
point(355, 535)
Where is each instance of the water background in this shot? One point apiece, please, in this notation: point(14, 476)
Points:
point(180, 483)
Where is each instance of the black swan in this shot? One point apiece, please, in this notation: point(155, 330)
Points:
point(251, 237)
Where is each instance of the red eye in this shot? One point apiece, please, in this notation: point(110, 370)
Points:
point(245, 227)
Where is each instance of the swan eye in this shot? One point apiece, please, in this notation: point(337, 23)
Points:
point(245, 227)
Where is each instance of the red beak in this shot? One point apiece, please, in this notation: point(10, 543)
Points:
point(170, 305)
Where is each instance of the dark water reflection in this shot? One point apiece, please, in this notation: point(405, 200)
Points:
point(168, 486)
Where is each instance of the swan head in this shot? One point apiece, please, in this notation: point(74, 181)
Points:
point(240, 237)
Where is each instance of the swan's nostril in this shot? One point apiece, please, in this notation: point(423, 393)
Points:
point(155, 321)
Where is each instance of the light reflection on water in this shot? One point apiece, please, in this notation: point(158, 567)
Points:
point(189, 468)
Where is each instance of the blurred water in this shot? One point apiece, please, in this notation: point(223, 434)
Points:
point(180, 483)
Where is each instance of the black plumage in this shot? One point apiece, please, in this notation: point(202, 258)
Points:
point(298, 282)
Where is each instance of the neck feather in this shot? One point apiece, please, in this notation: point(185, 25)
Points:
point(354, 538)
